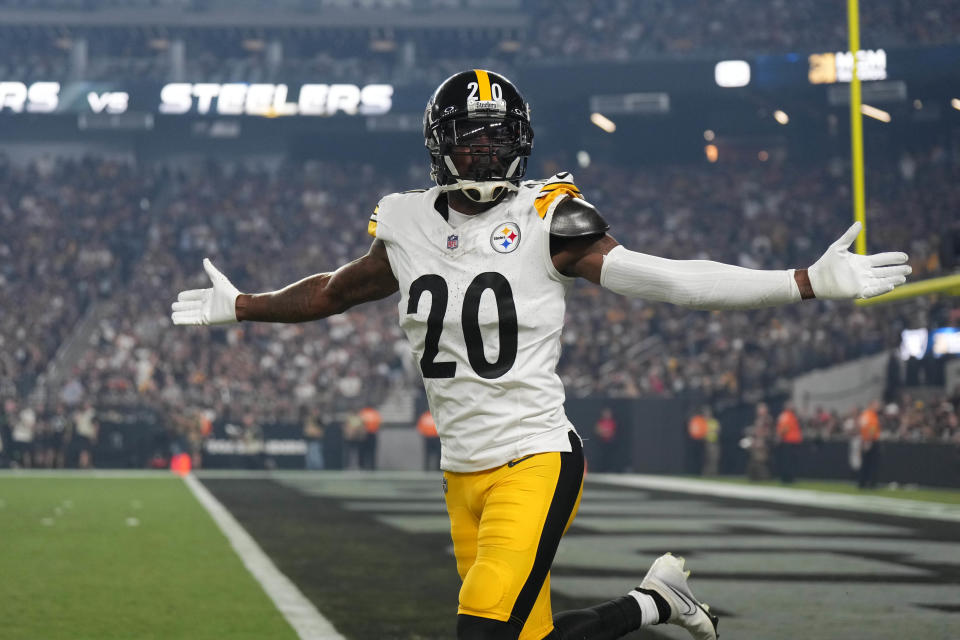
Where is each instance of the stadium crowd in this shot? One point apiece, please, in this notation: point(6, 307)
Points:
point(924, 415)
point(546, 33)
point(101, 231)
point(71, 229)
point(259, 236)
point(909, 418)
point(774, 443)
point(769, 216)
point(624, 30)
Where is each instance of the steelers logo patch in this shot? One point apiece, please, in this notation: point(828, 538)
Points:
point(505, 237)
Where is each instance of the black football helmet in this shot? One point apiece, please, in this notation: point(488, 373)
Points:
point(479, 114)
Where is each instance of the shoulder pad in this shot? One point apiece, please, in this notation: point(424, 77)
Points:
point(414, 191)
point(575, 218)
point(552, 192)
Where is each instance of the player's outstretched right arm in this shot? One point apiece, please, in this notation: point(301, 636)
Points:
point(318, 296)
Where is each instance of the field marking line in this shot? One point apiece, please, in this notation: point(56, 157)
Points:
point(903, 507)
point(98, 474)
point(305, 619)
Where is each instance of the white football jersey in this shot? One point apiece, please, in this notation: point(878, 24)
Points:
point(483, 306)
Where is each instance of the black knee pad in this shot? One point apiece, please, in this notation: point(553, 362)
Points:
point(475, 628)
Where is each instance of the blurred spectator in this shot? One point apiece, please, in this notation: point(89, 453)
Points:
point(711, 463)
point(23, 436)
point(789, 438)
point(759, 435)
point(56, 429)
point(371, 425)
point(6, 411)
point(606, 432)
point(354, 438)
point(851, 431)
point(697, 429)
point(251, 435)
point(313, 434)
point(85, 431)
point(427, 428)
point(824, 425)
point(869, 422)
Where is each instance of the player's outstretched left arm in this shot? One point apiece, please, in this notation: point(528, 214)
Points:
point(702, 284)
point(318, 296)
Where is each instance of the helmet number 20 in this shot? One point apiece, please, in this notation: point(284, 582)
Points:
point(470, 321)
point(496, 92)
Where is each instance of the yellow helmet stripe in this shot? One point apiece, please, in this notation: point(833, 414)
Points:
point(484, 81)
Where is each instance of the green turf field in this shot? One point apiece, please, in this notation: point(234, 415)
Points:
point(926, 494)
point(84, 557)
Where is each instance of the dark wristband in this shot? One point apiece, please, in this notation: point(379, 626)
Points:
point(240, 306)
point(803, 283)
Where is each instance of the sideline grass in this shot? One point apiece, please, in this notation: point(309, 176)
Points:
point(924, 494)
point(121, 558)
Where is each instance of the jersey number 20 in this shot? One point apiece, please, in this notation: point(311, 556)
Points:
point(470, 321)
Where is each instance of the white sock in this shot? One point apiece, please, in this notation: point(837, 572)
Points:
point(648, 608)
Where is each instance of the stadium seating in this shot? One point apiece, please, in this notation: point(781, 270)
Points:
point(267, 228)
point(538, 33)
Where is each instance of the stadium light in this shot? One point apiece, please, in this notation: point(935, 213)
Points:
point(732, 73)
point(583, 159)
point(781, 117)
point(603, 122)
point(955, 103)
point(709, 135)
point(873, 112)
point(712, 153)
point(763, 156)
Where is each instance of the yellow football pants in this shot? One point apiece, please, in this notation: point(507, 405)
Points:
point(506, 524)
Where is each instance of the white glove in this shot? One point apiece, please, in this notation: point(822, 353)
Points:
point(217, 305)
point(839, 274)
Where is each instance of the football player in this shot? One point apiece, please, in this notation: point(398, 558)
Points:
point(483, 262)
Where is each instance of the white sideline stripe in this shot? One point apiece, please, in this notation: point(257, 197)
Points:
point(903, 507)
point(293, 605)
point(125, 474)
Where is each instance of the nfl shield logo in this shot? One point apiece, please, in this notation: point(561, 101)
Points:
point(453, 241)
